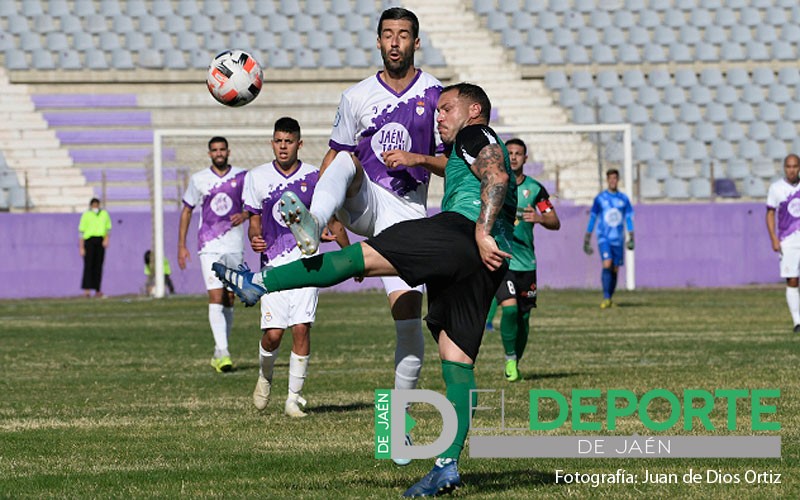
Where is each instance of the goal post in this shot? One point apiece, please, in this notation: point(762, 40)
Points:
point(186, 148)
point(595, 138)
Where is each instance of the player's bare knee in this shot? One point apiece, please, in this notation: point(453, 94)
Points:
point(792, 282)
point(375, 264)
point(405, 304)
point(216, 296)
point(271, 338)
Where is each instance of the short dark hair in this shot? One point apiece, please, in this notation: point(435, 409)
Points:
point(518, 142)
point(475, 94)
point(612, 171)
point(93, 201)
point(397, 13)
point(288, 125)
point(217, 138)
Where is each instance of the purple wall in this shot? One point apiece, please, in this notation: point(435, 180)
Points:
point(704, 245)
point(39, 255)
point(696, 245)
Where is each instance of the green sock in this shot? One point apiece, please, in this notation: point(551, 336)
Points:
point(508, 329)
point(492, 312)
point(321, 270)
point(523, 329)
point(459, 378)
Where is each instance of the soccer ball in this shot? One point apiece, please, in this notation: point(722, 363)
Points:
point(234, 78)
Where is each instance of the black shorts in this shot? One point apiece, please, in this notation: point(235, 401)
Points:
point(520, 285)
point(440, 252)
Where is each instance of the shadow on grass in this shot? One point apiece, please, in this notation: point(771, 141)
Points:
point(478, 482)
point(249, 366)
point(542, 376)
point(500, 480)
point(340, 408)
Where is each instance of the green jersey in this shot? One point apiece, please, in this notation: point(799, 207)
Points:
point(462, 188)
point(529, 194)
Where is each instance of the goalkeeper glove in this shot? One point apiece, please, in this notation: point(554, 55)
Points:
point(587, 245)
point(630, 242)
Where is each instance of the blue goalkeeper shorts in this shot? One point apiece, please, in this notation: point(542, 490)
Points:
point(614, 252)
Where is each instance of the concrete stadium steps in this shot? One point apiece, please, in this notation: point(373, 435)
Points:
point(109, 128)
point(474, 54)
point(34, 153)
point(104, 134)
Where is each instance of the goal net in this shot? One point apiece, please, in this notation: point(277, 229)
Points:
point(569, 160)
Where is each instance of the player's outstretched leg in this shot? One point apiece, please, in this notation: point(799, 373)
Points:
point(303, 224)
point(442, 479)
point(240, 281)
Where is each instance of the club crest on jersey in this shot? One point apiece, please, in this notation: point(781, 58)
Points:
point(233, 183)
point(420, 108)
point(303, 187)
point(526, 193)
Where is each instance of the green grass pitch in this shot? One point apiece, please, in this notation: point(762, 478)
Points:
point(115, 398)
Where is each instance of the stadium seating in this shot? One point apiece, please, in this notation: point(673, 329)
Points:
point(699, 80)
point(736, 117)
point(44, 30)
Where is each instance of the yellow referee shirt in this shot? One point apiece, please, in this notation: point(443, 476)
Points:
point(94, 224)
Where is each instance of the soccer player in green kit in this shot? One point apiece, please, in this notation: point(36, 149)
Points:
point(460, 254)
point(517, 294)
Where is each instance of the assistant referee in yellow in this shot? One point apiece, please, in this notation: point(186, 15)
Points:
point(94, 227)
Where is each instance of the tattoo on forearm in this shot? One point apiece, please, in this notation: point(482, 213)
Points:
point(490, 169)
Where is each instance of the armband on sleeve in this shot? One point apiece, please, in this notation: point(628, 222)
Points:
point(544, 206)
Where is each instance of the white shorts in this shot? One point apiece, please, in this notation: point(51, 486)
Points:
point(372, 210)
point(206, 259)
point(289, 308)
point(790, 261)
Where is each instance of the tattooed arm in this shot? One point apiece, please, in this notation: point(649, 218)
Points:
point(489, 168)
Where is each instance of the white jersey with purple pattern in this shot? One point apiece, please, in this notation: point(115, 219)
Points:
point(263, 188)
point(220, 197)
point(784, 198)
point(373, 118)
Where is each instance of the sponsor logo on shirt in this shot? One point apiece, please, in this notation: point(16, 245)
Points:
point(390, 136)
point(794, 207)
point(221, 204)
point(613, 217)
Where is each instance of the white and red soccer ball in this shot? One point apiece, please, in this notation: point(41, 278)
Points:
point(234, 78)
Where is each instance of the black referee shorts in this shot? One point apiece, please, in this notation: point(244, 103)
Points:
point(520, 285)
point(440, 252)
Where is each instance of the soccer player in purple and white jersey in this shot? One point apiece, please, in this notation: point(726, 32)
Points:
point(383, 132)
point(269, 236)
point(783, 203)
point(220, 238)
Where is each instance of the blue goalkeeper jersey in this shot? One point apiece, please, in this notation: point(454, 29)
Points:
point(610, 210)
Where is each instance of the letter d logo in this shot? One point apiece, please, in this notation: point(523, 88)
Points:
point(399, 401)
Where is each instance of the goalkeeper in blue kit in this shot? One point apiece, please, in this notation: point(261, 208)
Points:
point(610, 209)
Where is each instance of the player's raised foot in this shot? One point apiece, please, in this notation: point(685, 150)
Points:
point(796, 329)
point(606, 304)
point(442, 479)
point(240, 281)
point(222, 364)
point(511, 371)
point(302, 223)
point(402, 462)
point(292, 406)
point(261, 393)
